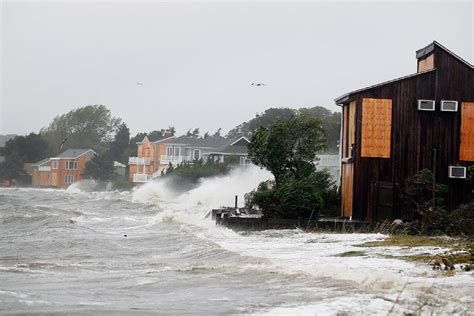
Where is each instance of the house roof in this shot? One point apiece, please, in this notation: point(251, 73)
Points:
point(157, 138)
point(429, 48)
point(343, 98)
point(119, 164)
point(234, 147)
point(73, 153)
point(208, 142)
point(419, 54)
point(40, 163)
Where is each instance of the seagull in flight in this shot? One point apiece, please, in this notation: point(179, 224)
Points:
point(139, 83)
point(258, 84)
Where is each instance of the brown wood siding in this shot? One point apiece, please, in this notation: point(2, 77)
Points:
point(467, 132)
point(347, 189)
point(376, 127)
point(416, 136)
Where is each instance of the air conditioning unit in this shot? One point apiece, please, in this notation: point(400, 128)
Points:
point(449, 106)
point(457, 172)
point(426, 105)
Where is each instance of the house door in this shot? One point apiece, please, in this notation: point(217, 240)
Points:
point(347, 187)
point(381, 196)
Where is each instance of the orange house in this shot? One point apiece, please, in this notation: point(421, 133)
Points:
point(63, 170)
point(147, 163)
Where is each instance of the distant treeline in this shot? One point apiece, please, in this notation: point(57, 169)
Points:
point(331, 123)
point(95, 127)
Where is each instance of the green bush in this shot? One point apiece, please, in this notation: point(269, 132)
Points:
point(461, 220)
point(424, 198)
point(295, 197)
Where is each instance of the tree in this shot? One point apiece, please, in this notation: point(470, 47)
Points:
point(12, 168)
point(267, 118)
point(99, 168)
point(331, 123)
point(118, 148)
point(288, 146)
point(288, 150)
point(19, 150)
point(132, 146)
point(91, 126)
point(30, 148)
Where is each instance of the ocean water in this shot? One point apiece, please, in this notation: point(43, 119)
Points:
point(152, 251)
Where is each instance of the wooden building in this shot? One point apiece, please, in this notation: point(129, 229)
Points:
point(393, 130)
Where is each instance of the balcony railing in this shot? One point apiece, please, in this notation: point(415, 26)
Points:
point(138, 160)
point(141, 177)
point(173, 159)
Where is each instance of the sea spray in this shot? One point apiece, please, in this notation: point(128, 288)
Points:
point(82, 186)
point(210, 193)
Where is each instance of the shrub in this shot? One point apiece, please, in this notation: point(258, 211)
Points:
point(461, 220)
point(295, 197)
point(423, 197)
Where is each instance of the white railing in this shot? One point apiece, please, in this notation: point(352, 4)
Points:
point(138, 160)
point(141, 177)
point(44, 168)
point(173, 159)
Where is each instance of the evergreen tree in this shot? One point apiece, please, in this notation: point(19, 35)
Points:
point(118, 148)
point(99, 168)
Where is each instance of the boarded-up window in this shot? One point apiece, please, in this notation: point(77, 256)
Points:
point(466, 151)
point(376, 128)
point(426, 63)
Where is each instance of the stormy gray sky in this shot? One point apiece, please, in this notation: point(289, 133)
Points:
point(197, 59)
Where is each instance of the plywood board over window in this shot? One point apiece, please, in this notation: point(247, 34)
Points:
point(426, 63)
point(466, 150)
point(376, 128)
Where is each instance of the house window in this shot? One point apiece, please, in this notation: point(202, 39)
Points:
point(68, 179)
point(177, 151)
point(197, 154)
point(243, 161)
point(54, 164)
point(169, 151)
point(71, 165)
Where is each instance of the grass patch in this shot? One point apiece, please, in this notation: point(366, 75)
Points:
point(418, 241)
point(351, 254)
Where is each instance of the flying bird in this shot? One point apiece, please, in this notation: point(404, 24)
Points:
point(139, 83)
point(258, 84)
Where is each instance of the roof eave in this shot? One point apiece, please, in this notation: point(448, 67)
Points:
point(344, 98)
